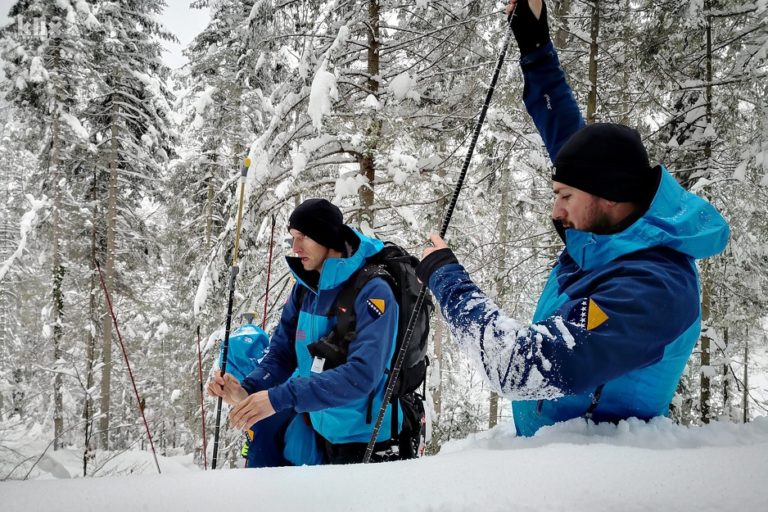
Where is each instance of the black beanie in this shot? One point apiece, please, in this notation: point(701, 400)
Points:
point(321, 221)
point(607, 160)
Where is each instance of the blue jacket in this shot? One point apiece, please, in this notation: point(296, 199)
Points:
point(337, 400)
point(620, 314)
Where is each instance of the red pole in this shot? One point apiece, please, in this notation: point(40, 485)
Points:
point(202, 407)
point(127, 364)
point(269, 273)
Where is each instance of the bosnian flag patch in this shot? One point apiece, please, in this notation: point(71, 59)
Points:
point(587, 314)
point(376, 306)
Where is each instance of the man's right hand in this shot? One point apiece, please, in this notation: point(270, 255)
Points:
point(226, 387)
point(529, 24)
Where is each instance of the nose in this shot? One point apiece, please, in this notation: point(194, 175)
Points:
point(296, 246)
point(558, 213)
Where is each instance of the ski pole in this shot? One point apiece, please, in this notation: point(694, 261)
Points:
point(395, 372)
point(202, 406)
point(127, 363)
point(233, 271)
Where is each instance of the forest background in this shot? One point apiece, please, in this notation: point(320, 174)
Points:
point(110, 157)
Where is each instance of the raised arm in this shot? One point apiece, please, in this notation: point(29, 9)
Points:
point(547, 95)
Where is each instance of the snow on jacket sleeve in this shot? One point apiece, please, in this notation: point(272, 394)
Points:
point(368, 356)
point(559, 356)
point(279, 359)
point(549, 99)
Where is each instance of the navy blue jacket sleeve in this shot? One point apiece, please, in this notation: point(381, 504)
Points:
point(279, 360)
point(560, 355)
point(549, 99)
point(369, 354)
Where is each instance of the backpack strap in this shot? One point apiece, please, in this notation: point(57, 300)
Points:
point(333, 347)
point(346, 317)
point(345, 302)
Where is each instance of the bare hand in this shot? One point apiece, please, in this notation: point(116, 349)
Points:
point(437, 244)
point(226, 387)
point(254, 408)
point(534, 5)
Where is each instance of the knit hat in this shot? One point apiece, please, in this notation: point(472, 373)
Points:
point(321, 221)
point(607, 160)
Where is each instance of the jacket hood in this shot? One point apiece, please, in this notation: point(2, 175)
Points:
point(335, 271)
point(675, 218)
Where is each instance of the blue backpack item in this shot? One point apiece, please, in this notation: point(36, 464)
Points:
point(246, 348)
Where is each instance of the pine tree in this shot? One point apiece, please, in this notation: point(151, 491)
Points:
point(46, 50)
point(130, 115)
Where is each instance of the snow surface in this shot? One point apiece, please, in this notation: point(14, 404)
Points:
point(572, 466)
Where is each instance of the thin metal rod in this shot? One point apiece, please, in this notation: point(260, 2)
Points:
point(127, 363)
point(202, 406)
point(395, 372)
point(233, 271)
point(269, 274)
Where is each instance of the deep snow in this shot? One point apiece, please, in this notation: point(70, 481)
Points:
point(572, 466)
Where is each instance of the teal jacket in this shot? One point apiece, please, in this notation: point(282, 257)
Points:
point(340, 401)
point(620, 313)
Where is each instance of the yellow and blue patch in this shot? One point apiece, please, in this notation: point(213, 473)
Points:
point(595, 316)
point(377, 307)
point(588, 315)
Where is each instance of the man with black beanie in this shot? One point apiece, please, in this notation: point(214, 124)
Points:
point(301, 409)
point(620, 314)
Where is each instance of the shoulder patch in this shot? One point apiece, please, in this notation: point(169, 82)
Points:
point(595, 316)
point(377, 306)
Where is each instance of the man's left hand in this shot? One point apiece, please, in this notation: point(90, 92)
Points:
point(250, 410)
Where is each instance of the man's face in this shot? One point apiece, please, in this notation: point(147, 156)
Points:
point(580, 210)
point(312, 254)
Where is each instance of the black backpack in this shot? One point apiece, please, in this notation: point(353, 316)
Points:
point(396, 266)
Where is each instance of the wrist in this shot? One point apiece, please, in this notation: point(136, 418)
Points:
point(434, 261)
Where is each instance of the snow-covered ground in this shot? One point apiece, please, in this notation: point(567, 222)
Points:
point(572, 466)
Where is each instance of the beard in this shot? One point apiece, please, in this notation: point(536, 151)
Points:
point(596, 221)
point(600, 224)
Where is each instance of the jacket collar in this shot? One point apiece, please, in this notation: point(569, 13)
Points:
point(675, 218)
point(335, 271)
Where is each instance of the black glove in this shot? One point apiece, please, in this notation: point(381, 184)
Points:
point(434, 261)
point(530, 33)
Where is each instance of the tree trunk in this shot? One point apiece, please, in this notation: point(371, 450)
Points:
point(367, 164)
point(493, 410)
point(58, 292)
point(561, 10)
point(626, 82)
point(705, 392)
point(593, 51)
point(90, 343)
point(745, 395)
point(726, 377)
point(209, 202)
point(503, 230)
point(106, 371)
point(706, 311)
point(708, 143)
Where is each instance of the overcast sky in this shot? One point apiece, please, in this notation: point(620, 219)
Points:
point(186, 23)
